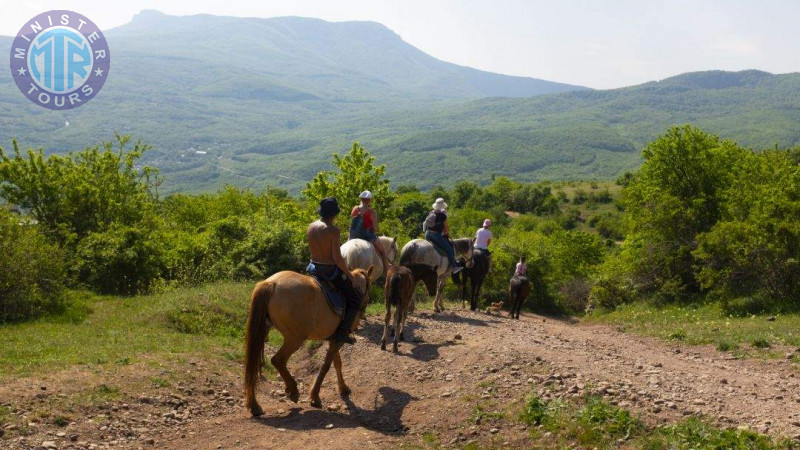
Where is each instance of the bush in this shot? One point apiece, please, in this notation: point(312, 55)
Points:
point(122, 260)
point(575, 295)
point(32, 275)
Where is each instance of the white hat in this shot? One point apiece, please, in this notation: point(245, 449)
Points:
point(439, 204)
point(365, 194)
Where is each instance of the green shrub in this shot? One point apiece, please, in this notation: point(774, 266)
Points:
point(601, 422)
point(32, 273)
point(534, 412)
point(124, 260)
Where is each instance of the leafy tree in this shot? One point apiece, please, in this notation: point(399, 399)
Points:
point(677, 194)
point(80, 193)
point(755, 248)
point(356, 172)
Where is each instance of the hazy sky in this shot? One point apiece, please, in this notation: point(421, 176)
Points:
point(601, 44)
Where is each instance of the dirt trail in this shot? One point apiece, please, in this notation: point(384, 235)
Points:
point(455, 361)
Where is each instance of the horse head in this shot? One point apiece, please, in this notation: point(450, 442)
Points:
point(468, 255)
point(431, 279)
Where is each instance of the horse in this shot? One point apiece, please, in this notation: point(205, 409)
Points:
point(476, 274)
point(399, 290)
point(420, 251)
point(518, 290)
point(360, 254)
point(295, 305)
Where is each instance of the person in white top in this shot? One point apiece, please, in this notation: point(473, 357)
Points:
point(522, 269)
point(483, 237)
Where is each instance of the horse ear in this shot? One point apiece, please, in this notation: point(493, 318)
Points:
point(369, 272)
point(435, 269)
point(394, 240)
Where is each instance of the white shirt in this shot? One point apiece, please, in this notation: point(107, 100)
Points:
point(482, 237)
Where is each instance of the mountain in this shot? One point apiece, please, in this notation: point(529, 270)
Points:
point(266, 101)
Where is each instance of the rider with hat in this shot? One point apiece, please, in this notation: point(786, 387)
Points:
point(483, 237)
point(437, 232)
point(328, 264)
point(364, 224)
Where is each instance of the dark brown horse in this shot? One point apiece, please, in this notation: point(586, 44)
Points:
point(518, 290)
point(399, 291)
point(476, 274)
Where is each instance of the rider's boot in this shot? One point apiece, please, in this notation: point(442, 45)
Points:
point(342, 333)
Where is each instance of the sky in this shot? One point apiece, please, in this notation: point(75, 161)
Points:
point(600, 44)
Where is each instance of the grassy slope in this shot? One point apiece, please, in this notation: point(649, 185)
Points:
point(708, 324)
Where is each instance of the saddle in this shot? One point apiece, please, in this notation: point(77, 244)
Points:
point(332, 295)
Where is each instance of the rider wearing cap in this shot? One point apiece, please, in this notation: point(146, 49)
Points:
point(364, 224)
point(437, 232)
point(328, 264)
point(483, 237)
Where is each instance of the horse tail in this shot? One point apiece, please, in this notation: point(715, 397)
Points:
point(394, 289)
point(258, 325)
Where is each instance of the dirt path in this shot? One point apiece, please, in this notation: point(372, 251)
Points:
point(453, 362)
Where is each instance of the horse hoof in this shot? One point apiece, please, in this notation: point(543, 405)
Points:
point(394, 349)
point(345, 391)
point(256, 411)
point(316, 403)
point(402, 338)
point(383, 346)
point(293, 396)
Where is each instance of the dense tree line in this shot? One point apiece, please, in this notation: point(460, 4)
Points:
point(703, 219)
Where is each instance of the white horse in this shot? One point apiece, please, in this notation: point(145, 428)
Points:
point(360, 254)
point(420, 251)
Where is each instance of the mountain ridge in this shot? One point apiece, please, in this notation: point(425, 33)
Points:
point(268, 104)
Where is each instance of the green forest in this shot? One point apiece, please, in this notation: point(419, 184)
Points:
point(702, 220)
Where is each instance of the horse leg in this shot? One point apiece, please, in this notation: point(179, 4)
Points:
point(464, 291)
point(397, 330)
point(333, 349)
point(279, 362)
point(437, 303)
point(386, 324)
point(337, 363)
point(403, 324)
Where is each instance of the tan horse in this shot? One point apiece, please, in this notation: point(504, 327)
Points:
point(293, 304)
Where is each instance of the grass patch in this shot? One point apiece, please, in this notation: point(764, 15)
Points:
point(480, 414)
point(102, 330)
point(760, 343)
point(160, 382)
point(61, 421)
point(706, 324)
point(695, 433)
point(431, 439)
point(594, 423)
point(602, 422)
point(678, 335)
point(727, 346)
point(5, 415)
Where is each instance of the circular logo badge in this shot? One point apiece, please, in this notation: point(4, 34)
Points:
point(60, 59)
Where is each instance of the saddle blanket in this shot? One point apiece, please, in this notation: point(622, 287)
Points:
point(332, 295)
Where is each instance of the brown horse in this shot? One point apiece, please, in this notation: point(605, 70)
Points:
point(518, 290)
point(295, 305)
point(399, 291)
